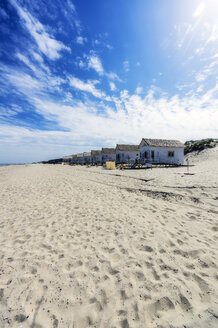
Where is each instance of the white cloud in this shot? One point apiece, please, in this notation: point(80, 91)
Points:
point(37, 57)
point(86, 86)
point(200, 88)
point(135, 117)
point(38, 83)
point(200, 77)
point(113, 76)
point(81, 40)
point(109, 46)
point(81, 64)
point(95, 63)
point(126, 118)
point(71, 6)
point(213, 34)
point(23, 82)
point(26, 61)
point(139, 90)
point(112, 86)
point(126, 65)
point(3, 14)
point(47, 44)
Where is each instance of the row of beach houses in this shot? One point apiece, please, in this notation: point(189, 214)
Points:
point(153, 151)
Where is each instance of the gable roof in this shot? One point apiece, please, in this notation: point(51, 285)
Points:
point(67, 157)
point(79, 155)
point(87, 154)
point(163, 143)
point(108, 150)
point(127, 147)
point(95, 152)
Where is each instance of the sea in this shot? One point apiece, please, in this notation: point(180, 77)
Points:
point(4, 164)
point(9, 164)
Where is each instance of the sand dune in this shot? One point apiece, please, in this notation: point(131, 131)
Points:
point(86, 247)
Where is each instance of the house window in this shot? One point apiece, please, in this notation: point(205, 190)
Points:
point(146, 154)
point(171, 153)
point(152, 154)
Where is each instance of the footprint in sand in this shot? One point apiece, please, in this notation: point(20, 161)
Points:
point(205, 297)
point(162, 305)
point(184, 303)
point(146, 248)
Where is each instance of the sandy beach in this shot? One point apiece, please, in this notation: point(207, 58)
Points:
point(87, 247)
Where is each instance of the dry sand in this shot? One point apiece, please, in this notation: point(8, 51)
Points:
point(86, 247)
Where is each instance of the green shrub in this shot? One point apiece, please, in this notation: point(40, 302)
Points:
point(198, 145)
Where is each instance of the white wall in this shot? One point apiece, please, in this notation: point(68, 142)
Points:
point(161, 155)
point(96, 159)
point(125, 156)
point(80, 160)
point(86, 159)
point(108, 157)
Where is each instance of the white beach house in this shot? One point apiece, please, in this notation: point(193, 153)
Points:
point(127, 153)
point(73, 159)
point(161, 151)
point(86, 157)
point(79, 158)
point(67, 159)
point(108, 154)
point(96, 157)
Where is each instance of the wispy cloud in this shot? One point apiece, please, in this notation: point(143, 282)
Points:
point(3, 14)
point(112, 86)
point(84, 105)
point(95, 63)
point(139, 90)
point(26, 61)
point(81, 40)
point(134, 118)
point(108, 46)
point(129, 118)
point(213, 34)
point(86, 86)
point(113, 76)
point(47, 44)
point(126, 65)
point(37, 57)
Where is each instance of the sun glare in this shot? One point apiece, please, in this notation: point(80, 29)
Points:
point(199, 10)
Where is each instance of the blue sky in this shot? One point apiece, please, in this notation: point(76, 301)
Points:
point(80, 75)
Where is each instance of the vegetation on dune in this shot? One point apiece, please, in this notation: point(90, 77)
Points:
point(53, 161)
point(199, 145)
